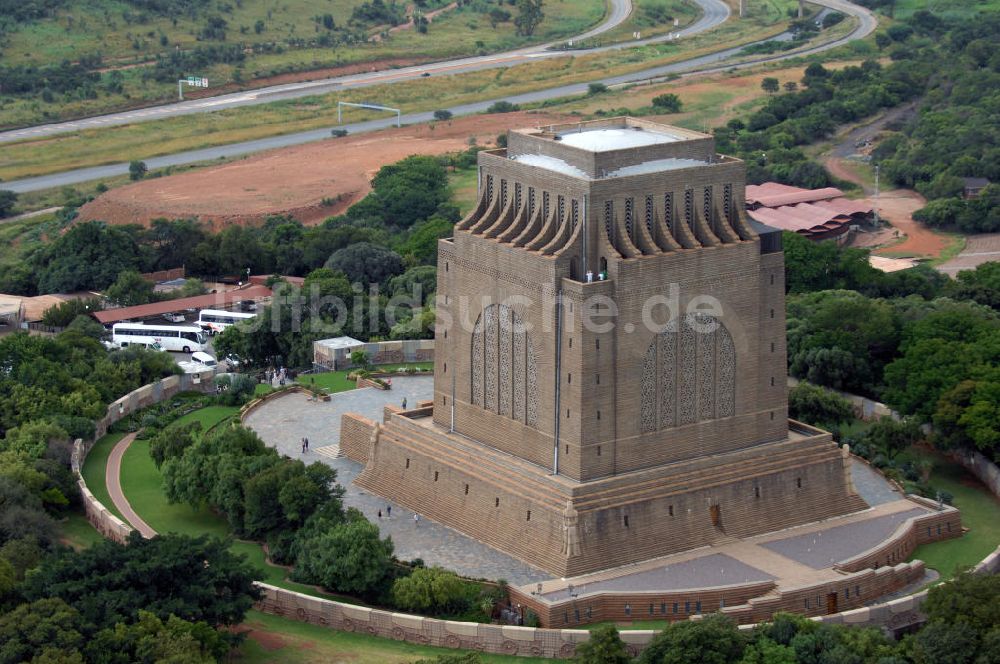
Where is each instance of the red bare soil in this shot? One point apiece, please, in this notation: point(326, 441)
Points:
point(295, 180)
point(897, 207)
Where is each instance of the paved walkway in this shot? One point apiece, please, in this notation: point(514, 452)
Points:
point(284, 421)
point(112, 479)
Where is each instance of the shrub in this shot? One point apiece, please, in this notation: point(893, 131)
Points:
point(667, 103)
point(442, 114)
point(503, 107)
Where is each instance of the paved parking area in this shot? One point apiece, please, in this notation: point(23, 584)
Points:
point(283, 422)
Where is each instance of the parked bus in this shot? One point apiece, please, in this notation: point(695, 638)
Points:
point(215, 320)
point(185, 339)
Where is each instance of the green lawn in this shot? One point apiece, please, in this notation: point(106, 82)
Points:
point(208, 416)
point(275, 639)
point(94, 467)
point(980, 514)
point(336, 381)
point(77, 532)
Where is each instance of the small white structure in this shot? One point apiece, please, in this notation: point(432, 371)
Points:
point(336, 351)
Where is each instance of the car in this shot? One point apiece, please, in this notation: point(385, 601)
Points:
point(426, 74)
point(233, 361)
point(175, 318)
point(204, 359)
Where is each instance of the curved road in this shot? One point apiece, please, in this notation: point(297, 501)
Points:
point(704, 64)
point(714, 13)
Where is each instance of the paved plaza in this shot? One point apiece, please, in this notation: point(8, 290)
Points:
point(284, 421)
point(799, 554)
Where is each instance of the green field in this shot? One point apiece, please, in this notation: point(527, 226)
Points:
point(77, 532)
point(336, 381)
point(208, 417)
point(950, 8)
point(144, 140)
point(130, 41)
point(94, 467)
point(980, 514)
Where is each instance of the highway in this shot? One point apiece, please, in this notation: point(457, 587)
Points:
point(703, 64)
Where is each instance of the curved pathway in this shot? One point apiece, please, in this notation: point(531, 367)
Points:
point(700, 65)
point(112, 479)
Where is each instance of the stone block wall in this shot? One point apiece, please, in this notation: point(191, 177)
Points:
point(355, 436)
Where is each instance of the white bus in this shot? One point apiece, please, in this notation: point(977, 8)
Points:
point(215, 320)
point(185, 339)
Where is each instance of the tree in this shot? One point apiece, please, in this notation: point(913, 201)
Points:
point(136, 170)
point(667, 103)
point(89, 256)
point(348, 557)
point(713, 640)
point(359, 358)
point(63, 313)
point(770, 85)
point(196, 579)
point(529, 15)
point(366, 263)
point(814, 405)
point(604, 646)
point(130, 289)
point(791, 86)
point(498, 16)
point(151, 639)
point(432, 590)
point(596, 88)
point(8, 199)
point(442, 114)
point(44, 630)
point(968, 598)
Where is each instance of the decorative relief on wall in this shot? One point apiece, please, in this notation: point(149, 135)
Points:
point(668, 210)
point(667, 360)
point(504, 378)
point(706, 368)
point(489, 189)
point(531, 202)
point(503, 194)
point(505, 359)
point(647, 413)
point(688, 375)
point(477, 363)
point(649, 214)
point(727, 202)
point(575, 211)
point(561, 210)
point(517, 197)
point(491, 360)
point(726, 373)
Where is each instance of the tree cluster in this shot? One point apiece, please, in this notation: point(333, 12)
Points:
point(954, 133)
point(926, 346)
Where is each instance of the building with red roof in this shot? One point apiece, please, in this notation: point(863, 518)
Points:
point(818, 214)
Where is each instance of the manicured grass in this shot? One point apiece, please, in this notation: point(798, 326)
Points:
point(275, 639)
point(980, 514)
point(208, 417)
point(261, 389)
point(336, 381)
point(77, 532)
point(141, 484)
point(636, 625)
point(94, 468)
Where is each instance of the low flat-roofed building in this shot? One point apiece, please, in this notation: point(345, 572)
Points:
point(225, 300)
point(818, 214)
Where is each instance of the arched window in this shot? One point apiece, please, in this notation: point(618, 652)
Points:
point(504, 378)
point(688, 374)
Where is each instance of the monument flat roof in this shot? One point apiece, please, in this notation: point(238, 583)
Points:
point(602, 140)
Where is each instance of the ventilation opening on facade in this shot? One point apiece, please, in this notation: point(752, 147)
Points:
point(435, 476)
point(772, 381)
point(446, 266)
point(756, 492)
point(598, 379)
point(772, 279)
point(407, 463)
point(772, 414)
point(467, 489)
point(626, 520)
point(598, 414)
point(599, 454)
point(598, 342)
point(567, 449)
point(445, 367)
point(567, 413)
point(496, 502)
point(571, 342)
point(444, 401)
point(798, 482)
point(569, 378)
point(772, 313)
point(670, 510)
point(772, 346)
point(528, 518)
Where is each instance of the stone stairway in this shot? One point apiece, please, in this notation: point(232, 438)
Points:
point(331, 451)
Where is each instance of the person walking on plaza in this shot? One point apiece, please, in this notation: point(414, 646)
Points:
point(380, 514)
point(404, 403)
point(306, 442)
point(416, 520)
point(388, 511)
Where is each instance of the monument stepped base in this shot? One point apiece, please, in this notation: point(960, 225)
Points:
point(569, 528)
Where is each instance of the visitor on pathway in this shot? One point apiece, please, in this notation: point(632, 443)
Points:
point(380, 514)
point(388, 511)
point(404, 403)
point(416, 519)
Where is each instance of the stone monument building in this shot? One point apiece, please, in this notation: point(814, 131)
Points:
point(610, 381)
